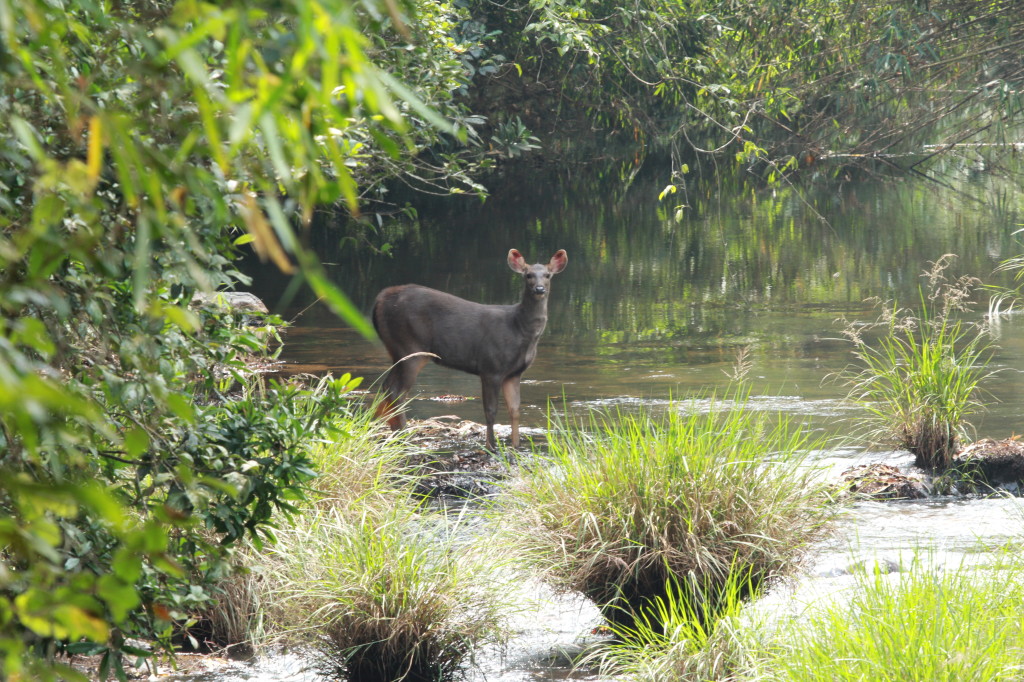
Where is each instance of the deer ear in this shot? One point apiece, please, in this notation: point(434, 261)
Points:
point(558, 262)
point(516, 261)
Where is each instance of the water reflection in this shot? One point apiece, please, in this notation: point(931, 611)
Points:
point(638, 272)
point(654, 303)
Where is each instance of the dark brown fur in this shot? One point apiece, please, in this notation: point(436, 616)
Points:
point(495, 342)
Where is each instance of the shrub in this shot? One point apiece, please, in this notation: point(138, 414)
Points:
point(139, 149)
point(920, 383)
point(635, 503)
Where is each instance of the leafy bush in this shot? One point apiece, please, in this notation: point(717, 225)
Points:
point(143, 142)
point(777, 85)
point(642, 504)
point(921, 382)
point(141, 554)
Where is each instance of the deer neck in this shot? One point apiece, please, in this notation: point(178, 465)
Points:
point(532, 315)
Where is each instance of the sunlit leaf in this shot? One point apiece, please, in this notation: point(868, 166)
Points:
point(95, 154)
point(136, 441)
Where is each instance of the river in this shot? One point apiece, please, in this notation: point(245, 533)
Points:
point(658, 298)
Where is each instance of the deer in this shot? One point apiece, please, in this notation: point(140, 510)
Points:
point(495, 342)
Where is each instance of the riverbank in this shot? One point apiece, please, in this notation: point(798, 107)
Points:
point(875, 548)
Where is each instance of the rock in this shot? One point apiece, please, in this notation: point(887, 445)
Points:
point(466, 485)
point(240, 301)
point(883, 482)
point(993, 463)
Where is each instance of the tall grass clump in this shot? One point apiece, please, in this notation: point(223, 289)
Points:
point(386, 596)
point(674, 641)
point(920, 382)
point(627, 507)
point(376, 584)
point(356, 465)
point(925, 626)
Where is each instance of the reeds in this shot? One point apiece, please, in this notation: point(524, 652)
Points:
point(919, 384)
point(380, 587)
point(922, 626)
point(631, 504)
point(385, 596)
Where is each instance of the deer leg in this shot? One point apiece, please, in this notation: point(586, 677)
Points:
point(399, 380)
point(489, 393)
point(510, 388)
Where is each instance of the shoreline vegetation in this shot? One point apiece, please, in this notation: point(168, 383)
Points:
point(154, 495)
point(698, 619)
point(673, 524)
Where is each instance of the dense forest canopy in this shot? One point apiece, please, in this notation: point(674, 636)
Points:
point(145, 141)
point(781, 84)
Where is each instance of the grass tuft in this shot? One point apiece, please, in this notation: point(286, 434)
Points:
point(380, 586)
point(387, 596)
point(632, 503)
point(672, 640)
point(920, 383)
point(923, 626)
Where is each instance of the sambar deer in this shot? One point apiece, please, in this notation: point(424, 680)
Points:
point(495, 342)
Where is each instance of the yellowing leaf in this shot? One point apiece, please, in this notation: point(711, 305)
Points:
point(36, 611)
point(264, 240)
point(94, 163)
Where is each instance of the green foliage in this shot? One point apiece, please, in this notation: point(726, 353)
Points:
point(89, 565)
point(777, 85)
point(921, 382)
point(513, 138)
point(709, 490)
point(436, 58)
point(958, 624)
point(146, 141)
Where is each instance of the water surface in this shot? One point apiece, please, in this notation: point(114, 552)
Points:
point(656, 301)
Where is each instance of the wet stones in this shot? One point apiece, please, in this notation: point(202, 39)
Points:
point(883, 482)
point(449, 453)
point(238, 301)
point(980, 468)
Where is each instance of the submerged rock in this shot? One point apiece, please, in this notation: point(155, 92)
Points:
point(883, 482)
